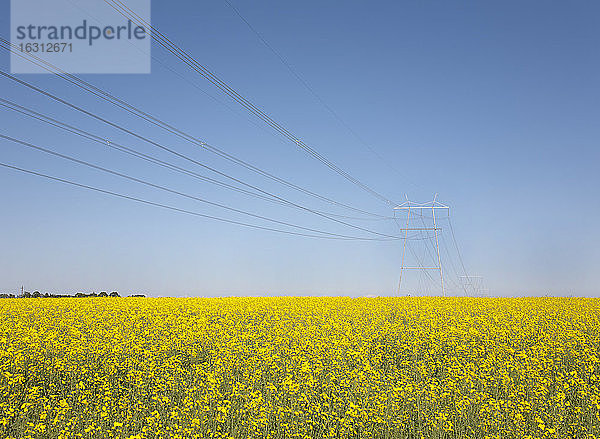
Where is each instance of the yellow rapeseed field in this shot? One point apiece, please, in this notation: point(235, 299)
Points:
point(300, 368)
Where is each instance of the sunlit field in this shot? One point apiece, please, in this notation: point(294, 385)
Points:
point(300, 367)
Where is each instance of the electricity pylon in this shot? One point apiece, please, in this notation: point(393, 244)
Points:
point(475, 282)
point(407, 207)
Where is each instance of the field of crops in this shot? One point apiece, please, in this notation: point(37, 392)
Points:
point(300, 367)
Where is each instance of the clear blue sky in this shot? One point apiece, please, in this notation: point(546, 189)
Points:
point(493, 105)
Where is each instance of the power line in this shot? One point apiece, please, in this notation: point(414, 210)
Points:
point(451, 259)
point(164, 188)
point(312, 91)
point(237, 112)
point(222, 85)
point(157, 122)
point(130, 151)
point(159, 145)
point(176, 209)
point(456, 245)
point(122, 148)
point(182, 77)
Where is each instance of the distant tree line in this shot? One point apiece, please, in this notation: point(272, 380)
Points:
point(37, 294)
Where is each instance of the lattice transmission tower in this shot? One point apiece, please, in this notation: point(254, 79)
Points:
point(475, 284)
point(412, 209)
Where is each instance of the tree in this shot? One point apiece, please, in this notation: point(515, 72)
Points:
point(36, 294)
point(103, 294)
point(114, 294)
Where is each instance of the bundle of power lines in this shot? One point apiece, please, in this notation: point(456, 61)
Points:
point(214, 176)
